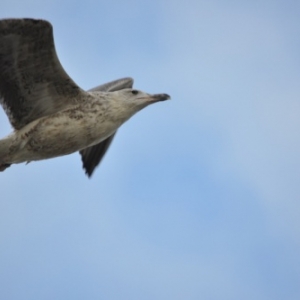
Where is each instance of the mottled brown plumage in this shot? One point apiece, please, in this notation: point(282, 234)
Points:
point(51, 114)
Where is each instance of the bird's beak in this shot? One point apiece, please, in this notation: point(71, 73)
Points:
point(159, 97)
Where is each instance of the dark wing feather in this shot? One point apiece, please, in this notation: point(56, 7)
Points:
point(33, 83)
point(92, 156)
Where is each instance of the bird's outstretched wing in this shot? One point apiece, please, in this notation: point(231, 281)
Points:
point(112, 86)
point(92, 156)
point(33, 83)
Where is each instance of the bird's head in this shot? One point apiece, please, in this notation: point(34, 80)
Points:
point(130, 101)
point(138, 98)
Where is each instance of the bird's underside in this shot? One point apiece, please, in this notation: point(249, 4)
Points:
point(35, 87)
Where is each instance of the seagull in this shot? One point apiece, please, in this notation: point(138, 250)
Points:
point(51, 115)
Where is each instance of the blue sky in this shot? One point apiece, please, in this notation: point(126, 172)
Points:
point(198, 197)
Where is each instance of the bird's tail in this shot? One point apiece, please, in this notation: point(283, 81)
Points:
point(4, 149)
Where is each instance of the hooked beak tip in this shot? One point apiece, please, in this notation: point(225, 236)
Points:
point(161, 97)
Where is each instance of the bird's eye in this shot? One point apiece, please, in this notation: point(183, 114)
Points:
point(134, 92)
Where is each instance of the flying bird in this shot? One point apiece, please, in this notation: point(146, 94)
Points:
point(51, 115)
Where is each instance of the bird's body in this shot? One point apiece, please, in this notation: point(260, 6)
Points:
point(51, 115)
point(77, 127)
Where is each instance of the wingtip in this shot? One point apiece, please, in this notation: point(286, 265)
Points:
point(88, 173)
point(3, 167)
